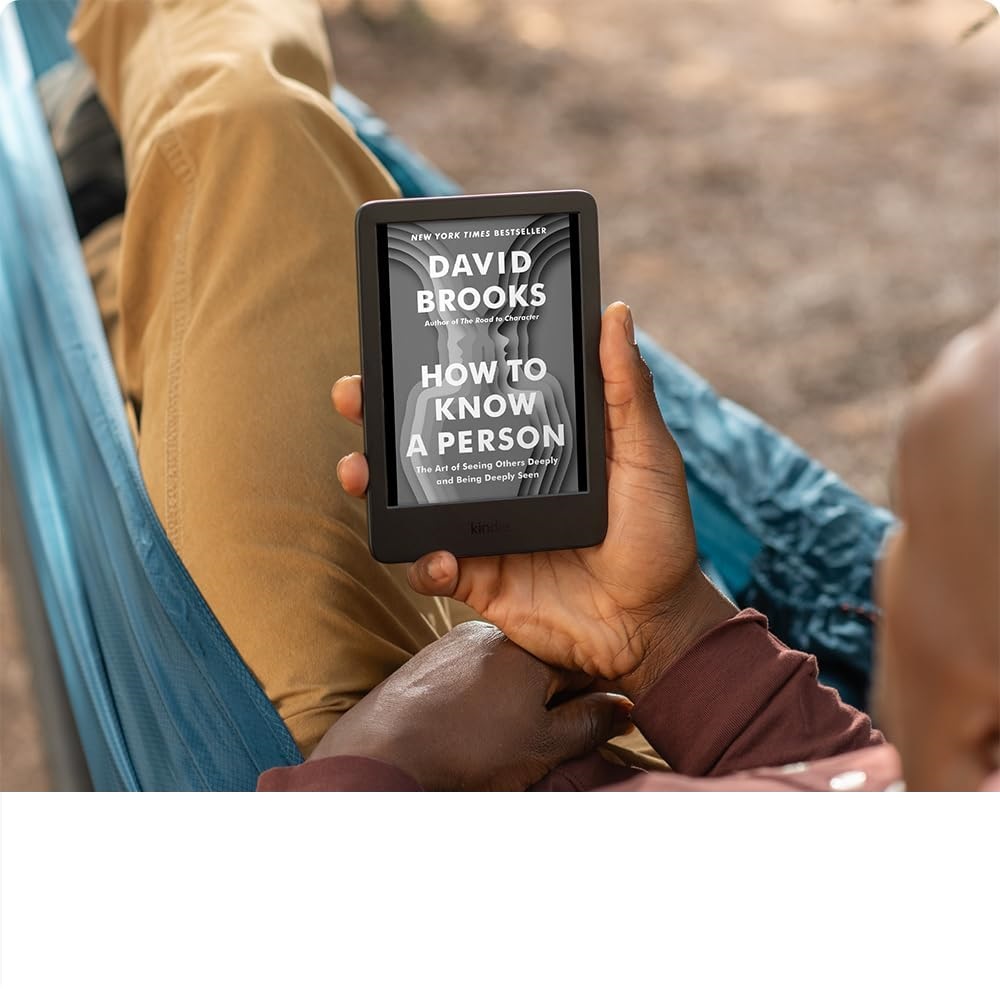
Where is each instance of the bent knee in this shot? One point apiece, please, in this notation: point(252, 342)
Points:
point(237, 105)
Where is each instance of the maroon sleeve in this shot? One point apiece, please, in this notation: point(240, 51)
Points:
point(741, 699)
point(871, 769)
point(338, 774)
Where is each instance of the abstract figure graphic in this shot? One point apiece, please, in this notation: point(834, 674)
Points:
point(483, 336)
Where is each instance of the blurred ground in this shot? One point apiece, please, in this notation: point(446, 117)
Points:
point(798, 197)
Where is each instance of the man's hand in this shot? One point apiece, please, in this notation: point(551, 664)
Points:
point(473, 711)
point(638, 597)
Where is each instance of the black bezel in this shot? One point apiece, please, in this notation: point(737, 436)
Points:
point(489, 527)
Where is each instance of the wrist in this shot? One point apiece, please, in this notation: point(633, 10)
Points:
point(691, 612)
point(391, 744)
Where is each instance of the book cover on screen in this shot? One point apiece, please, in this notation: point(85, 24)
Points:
point(483, 358)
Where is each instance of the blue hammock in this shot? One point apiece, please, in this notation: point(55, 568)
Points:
point(159, 696)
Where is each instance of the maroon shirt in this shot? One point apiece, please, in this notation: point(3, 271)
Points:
point(739, 711)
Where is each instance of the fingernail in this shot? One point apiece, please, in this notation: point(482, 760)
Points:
point(437, 570)
point(630, 325)
point(340, 464)
point(623, 709)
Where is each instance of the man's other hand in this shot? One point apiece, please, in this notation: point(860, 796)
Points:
point(473, 711)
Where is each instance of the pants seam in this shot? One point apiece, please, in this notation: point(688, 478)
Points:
point(181, 165)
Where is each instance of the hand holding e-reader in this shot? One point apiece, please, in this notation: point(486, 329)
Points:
point(635, 597)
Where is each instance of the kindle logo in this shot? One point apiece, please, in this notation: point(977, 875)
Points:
point(488, 527)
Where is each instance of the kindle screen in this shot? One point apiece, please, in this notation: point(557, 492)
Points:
point(482, 358)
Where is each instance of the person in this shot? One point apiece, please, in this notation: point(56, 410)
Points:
point(228, 295)
point(724, 702)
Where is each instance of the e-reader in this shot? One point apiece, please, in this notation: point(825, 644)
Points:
point(480, 321)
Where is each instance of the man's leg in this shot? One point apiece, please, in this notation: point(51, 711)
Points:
point(236, 310)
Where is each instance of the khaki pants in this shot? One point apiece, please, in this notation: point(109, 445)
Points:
point(230, 305)
point(228, 293)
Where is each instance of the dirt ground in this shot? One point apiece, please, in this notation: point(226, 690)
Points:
point(798, 197)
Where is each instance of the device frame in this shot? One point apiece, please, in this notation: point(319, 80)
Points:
point(486, 527)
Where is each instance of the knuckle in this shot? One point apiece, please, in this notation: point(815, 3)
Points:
point(593, 731)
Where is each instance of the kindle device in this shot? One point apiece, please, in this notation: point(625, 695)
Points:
point(484, 403)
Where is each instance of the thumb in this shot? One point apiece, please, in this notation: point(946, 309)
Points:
point(582, 724)
point(435, 574)
point(628, 384)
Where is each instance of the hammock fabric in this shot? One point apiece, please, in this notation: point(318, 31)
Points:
point(159, 695)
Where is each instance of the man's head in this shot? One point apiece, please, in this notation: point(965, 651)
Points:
point(938, 684)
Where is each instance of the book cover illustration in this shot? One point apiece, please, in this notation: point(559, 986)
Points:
point(483, 363)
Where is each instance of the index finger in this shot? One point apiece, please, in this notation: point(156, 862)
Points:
point(347, 398)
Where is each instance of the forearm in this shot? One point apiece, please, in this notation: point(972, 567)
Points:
point(738, 698)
